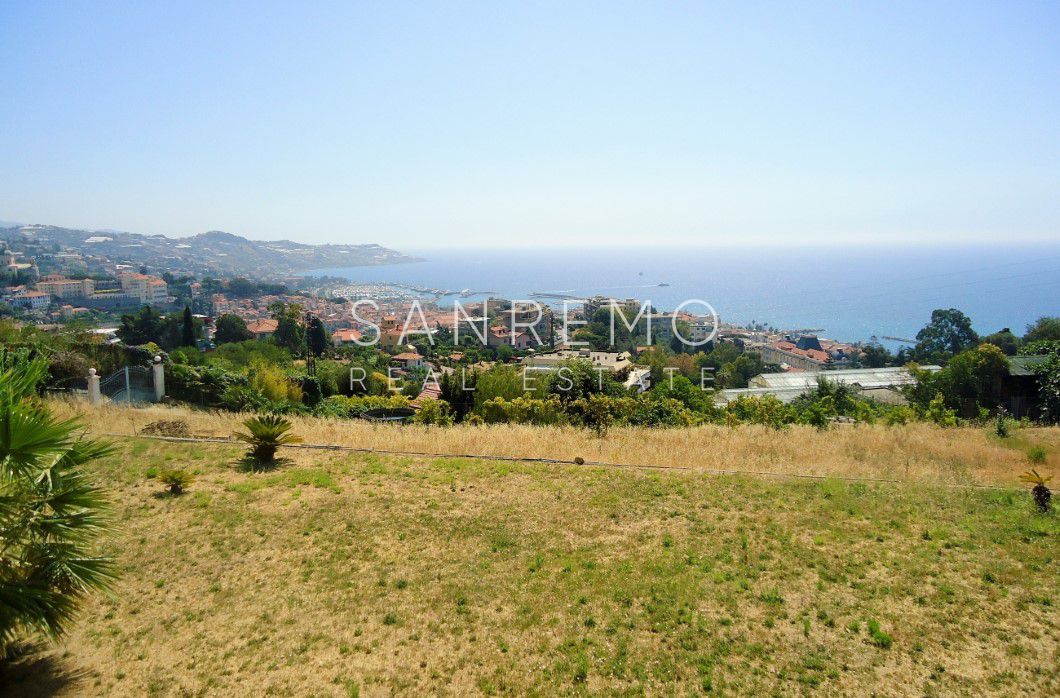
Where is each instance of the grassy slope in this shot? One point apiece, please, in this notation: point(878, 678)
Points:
point(342, 573)
point(920, 452)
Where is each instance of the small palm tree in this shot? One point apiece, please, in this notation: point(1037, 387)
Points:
point(51, 515)
point(176, 481)
point(1042, 495)
point(265, 435)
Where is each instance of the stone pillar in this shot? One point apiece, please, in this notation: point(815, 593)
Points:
point(159, 376)
point(93, 387)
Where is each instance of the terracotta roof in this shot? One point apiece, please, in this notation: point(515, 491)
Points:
point(347, 334)
point(263, 326)
point(406, 356)
point(430, 391)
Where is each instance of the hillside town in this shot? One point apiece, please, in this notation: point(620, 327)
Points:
point(415, 334)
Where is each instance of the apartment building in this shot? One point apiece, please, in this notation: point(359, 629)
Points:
point(150, 290)
point(64, 288)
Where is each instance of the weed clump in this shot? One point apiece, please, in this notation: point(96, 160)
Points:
point(878, 636)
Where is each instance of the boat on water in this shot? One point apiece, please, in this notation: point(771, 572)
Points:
point(663, 285)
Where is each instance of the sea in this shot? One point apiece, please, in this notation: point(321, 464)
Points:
point(844, 293)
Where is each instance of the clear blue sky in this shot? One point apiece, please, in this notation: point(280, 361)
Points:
point(415, 124)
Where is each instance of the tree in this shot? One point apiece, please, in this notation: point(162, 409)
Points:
point(242, 288)
point(458, 389)
point(317, 337)
point(289, 331)
point(51, 515)
point(144, 327)
point(1043, 328)
point(187, 328)
point(1049, 388)
point(876, 356)
point(972, 379)
point(1005, 341)
point(231, 328)
point(737, 373)
point(504, 382)
point(579, 378)
point(949, 333)
point(505, 353)
point(976, 375)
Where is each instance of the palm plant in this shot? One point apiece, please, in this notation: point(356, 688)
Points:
point(265, 435)
point(1042, 495)
point(51, 515)
point(176, 481)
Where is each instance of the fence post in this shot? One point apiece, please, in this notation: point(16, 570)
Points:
point(93, 387)
point(159, 376)
point(128, 387)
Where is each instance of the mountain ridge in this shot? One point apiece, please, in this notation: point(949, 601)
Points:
point(212, 252)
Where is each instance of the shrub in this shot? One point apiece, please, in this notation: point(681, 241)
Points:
point(352, 407)
point(203, 385)
point(766, 410)
point(434, 412)
point(265, 435)
point(938, 413)
point(312, 393)
point(595, 412)
point(524, 410)
point(652, 411)
point(176, 480)
point(243, 398)
point(1001, 425)
point(270, 380)
point(1036, 454)
point(898, 415)
point(51, 515)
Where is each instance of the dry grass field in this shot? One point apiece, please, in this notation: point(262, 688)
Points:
point(342, 574)
point(921, 452)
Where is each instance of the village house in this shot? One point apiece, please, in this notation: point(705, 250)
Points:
point(31, 300)
point(409, 360)
point(345, 337)
point(616, 363)
point(519, 339)
point(263, 329)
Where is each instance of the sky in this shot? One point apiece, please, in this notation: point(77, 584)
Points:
point(420, 125)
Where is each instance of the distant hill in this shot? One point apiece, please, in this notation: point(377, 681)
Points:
point(214, 252)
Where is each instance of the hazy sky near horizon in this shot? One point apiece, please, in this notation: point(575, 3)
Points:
point(423, 124)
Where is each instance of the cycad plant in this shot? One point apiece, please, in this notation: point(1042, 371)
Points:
point(265, 435)
point(51, 515)
point(176, 480)
point(1042, 495)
